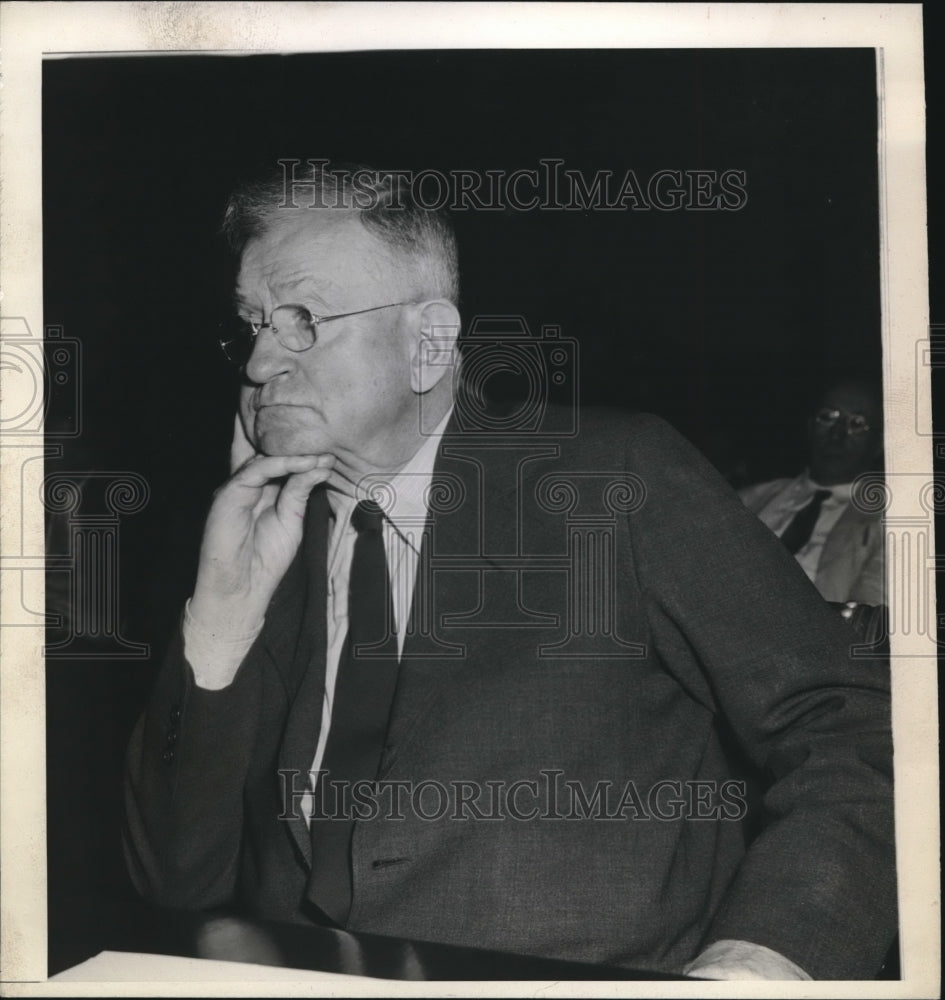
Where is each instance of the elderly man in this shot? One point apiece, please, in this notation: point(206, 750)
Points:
point(462, 677)
point(836, 538)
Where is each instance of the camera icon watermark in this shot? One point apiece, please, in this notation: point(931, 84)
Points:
point(59, 537)
point(35, 372)
point(508, 382)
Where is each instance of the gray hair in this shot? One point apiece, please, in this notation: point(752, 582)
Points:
point(422, 240)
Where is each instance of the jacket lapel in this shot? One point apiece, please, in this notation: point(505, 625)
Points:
point(472, 511)
point(846, 549)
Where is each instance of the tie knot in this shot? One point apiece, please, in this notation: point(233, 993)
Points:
point(367, 516)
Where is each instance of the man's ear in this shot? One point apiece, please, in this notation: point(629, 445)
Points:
point(434, 354)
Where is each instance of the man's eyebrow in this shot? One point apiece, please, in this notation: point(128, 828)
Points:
point(287, 291)
point(303, 281)
point(291, 284)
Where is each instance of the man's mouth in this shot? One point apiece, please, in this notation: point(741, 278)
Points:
point(278, 404)
point(260, 402)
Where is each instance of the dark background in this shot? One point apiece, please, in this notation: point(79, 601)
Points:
point(719, 321)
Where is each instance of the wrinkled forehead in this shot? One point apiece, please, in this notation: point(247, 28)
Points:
point(326, 249)
point(852, 397)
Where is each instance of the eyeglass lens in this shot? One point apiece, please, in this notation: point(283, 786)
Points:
point(855, 423)
point(292, 326)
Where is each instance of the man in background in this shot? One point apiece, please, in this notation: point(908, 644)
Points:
point(820, 518)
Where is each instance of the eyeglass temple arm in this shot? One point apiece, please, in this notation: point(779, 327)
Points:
point(357, 312)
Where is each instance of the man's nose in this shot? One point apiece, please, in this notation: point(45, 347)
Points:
point(269, 358)
point(838, 432)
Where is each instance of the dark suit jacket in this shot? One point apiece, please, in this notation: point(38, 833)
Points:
point(600, 606)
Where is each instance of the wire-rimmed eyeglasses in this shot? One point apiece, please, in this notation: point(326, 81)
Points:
point(295, 327)
point(829, 416)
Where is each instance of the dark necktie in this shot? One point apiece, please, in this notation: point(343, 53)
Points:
point(797, 534)
point(364, 691)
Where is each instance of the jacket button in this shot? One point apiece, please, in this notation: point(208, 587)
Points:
point(167, 756)
point(172, 736)
point(174, 716)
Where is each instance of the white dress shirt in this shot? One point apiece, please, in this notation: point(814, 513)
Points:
point(778, 513)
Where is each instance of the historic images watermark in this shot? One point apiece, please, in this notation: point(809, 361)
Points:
point(549, 186)
point(550, 796)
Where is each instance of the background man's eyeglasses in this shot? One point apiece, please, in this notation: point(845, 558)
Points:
point(294, 327)
point(854, 423)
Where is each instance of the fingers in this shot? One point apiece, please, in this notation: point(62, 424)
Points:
point(262, 469)
point(294, 496)
point(268, 480)
point(262, 482)
point(241, 451)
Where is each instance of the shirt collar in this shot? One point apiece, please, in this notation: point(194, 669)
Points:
point(839, 491)
point(403, 495)
point(410, 488)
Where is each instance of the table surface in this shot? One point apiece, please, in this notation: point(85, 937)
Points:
point(144, 929)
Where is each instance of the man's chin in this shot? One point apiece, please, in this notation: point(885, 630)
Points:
point(286, 444)
point(833, 474)
point(275, 435)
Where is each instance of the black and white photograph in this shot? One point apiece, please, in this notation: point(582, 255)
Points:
point(469, 502)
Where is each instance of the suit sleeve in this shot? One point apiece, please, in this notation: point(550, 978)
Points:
point(184, 778)
point(818, 884)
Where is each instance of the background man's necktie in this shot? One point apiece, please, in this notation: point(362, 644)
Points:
point(797, 534)
point(364, 692)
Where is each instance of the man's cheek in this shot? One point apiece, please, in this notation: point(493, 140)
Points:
point(248, 420)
